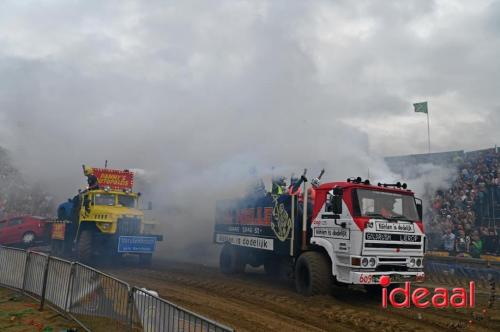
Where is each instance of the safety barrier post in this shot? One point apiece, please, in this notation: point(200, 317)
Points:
point(44, 283)
point(491, 300)
point(130, 308)
point(70, 287)
point(25, 270)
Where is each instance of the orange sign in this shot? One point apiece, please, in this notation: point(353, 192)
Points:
point(58, 231)
point(115, 179)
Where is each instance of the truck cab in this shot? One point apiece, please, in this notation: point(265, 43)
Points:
point(369, 231)
point(112, 211)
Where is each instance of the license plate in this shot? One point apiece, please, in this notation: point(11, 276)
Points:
point(136, 244)
point(395, 278)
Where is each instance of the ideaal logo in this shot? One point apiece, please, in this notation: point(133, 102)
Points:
point(422, 297)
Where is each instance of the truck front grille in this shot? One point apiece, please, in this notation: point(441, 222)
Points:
point(393, 245)
point(390, 268)
point(129, 226)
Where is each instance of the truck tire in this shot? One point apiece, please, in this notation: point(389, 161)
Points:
point(145, 260)
point(313, 274)
point(84, 246)
point(56, 248)
point(230, 260)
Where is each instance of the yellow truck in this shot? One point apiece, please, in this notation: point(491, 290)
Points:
point(104, 222)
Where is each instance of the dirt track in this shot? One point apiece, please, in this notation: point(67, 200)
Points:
point(252, 302)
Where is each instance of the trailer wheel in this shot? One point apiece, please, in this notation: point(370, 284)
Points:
point(231, 260)
point(313, 274)
point(84, 246)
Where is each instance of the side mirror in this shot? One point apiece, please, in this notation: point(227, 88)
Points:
point(337, 191)
point(419, 208)
point(336, 204)
point(336, 200)
point(150, 205)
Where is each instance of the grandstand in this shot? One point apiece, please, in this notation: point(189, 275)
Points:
point(469, 205)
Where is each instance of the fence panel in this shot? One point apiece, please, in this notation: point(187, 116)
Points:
point(98, 301)
point(33, 276)
point(58, 282)
point(12, 266)
point(150, 313)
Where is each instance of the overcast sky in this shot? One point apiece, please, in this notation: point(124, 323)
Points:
point(190, 90)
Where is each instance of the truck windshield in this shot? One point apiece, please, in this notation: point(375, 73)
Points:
point(372, 203)
point(126, 201)
point(105, 199)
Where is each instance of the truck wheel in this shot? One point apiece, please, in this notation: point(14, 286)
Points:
point(146, 260)
point(84, 247)
point(56, 248)
point(28, 239)
point(313, 274)
point(230, 260)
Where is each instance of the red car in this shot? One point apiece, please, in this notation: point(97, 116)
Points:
point(24, 230)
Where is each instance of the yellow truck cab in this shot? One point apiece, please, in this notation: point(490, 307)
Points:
point(107, 208)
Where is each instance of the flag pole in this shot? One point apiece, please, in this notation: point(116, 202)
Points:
point(428, 132)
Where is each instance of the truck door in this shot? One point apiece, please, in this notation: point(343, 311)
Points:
point(333, 227)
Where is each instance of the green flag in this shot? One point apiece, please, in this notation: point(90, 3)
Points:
point(421, 107)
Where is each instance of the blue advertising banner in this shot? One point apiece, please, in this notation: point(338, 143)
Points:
point(136, 244)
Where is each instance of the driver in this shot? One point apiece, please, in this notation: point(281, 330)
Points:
point(386, 207)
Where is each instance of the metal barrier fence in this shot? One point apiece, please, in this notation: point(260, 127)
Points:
point(156, 314)
point(95, 300)
point(459, 272)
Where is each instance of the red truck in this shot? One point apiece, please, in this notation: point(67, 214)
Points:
point(24, 230)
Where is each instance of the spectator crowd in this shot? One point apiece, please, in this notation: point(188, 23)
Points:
point(464, 218)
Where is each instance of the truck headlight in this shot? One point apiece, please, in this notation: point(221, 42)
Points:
point(106, 226)
point(412, 262)
point(364, 262)
point(372, 261)
point(419, 262)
